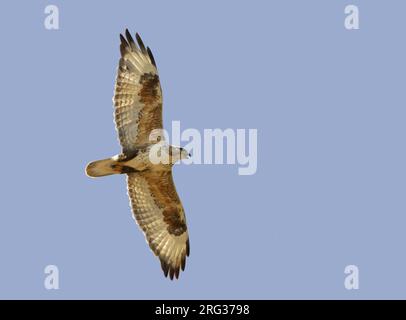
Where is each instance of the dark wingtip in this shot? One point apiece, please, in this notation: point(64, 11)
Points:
point(140, 43)
point(165, 268)
point(177, 272)
point(183, 264)
point(128, 42)
point(123, 45)
point(130, 39)
point(151, 56)
point(123, 40)
point(187, 247)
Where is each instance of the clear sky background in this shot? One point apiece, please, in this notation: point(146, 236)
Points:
point(329, 106)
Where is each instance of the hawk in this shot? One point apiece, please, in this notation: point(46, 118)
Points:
point(155, 203)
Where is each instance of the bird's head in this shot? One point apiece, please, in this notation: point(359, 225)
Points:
point(177, 153)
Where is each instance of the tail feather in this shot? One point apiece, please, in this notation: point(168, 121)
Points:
point(102, 168)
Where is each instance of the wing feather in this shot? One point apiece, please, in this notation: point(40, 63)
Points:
point(137, 95)
point(159, 213)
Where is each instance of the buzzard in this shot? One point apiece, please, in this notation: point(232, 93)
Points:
point(155, 203)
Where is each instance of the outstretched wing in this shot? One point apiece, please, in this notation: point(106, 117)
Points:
point(159, 212)
point(137, 94)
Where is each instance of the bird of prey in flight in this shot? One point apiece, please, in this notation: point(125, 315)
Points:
point(155, 203)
